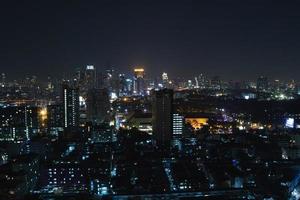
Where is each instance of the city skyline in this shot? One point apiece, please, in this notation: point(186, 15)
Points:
point(130, 74)
point(231, 39)
point(149, 99)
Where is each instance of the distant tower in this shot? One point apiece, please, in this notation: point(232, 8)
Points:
point(139, 81)
point(216, 83)
point(90, 76)
point(162, 117)
point(165, 79)
point(197, 82)
point(70, 105)
point(262, 84)
point(55, 118)
point(3, 80)
point(202, 81)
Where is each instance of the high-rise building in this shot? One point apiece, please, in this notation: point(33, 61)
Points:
point(178, 122)
point(162, 117)
point(109, 78)
point(85, 79)
point(202, 81)
point(196, 82)
point(90, 76)
point(3, 80)
point(139, 81)
point(18, 122)
point(55, 119)
point(98, 105)
point(165, 80)
point(215, 83)
point(122, 85)
point(129, 86)
point(70, 105)
point(262, 84)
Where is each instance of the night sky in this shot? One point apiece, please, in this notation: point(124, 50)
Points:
point(233, 39)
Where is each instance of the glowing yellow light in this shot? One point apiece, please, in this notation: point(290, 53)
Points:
point(43, 115)
point(197, 123)
point(139, 70)
point(43, 112)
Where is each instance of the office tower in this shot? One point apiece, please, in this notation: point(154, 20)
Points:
point(216, 83)
point(162, 118)
point(202, 81)
point(31, 121)
point(55, 119)
point(79, 75)
point(70, 105)
point(122, 85)
point(262, 84)
point(78, 79)
point(129, 86)
point(275, 86)
point(50, 85)
point(100, 80)
point(165, 80)
point(90, 76)
point(139, 81)
point(85, 79)
point(111, 81)
point(98, 105)
point(190, 84)
point(108, 79)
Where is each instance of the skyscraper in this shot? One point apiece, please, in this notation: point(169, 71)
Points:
point(162, 117)
point(97, 105)
point(55, 118)
point(216, 83)
point(90, 76)
point(70, 105)
point(262, 84)
point(165, 80)
point(3, 80)
point(139, 81)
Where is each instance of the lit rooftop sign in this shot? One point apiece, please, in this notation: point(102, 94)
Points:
point(90, 67)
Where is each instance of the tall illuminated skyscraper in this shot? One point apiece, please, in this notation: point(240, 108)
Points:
point(165, 79)
point(70, 105)
point(139, 81)
point(90, 76)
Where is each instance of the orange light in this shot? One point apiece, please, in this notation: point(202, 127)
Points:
point(197, 123)
point(43, 112)
point(43, 115)
point(139, 70)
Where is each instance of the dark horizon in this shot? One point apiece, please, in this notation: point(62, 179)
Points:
point(231, 39)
